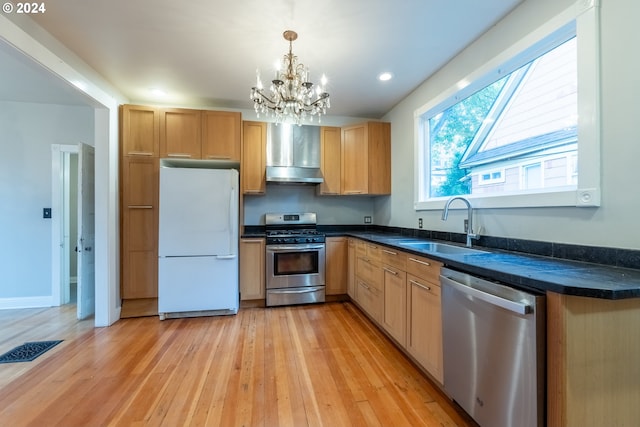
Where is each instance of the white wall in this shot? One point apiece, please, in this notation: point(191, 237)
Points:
point(614, 223)
point(27, 132)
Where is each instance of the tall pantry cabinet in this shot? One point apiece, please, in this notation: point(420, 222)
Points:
point(139, 179)
point(148, 134)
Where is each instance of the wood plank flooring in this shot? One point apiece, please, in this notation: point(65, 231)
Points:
point(316, 365)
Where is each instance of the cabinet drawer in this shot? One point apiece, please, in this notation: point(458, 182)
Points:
point(393, 258)
point(369, 272)
point(373, 251)
point(370, 300)
point(425, 268)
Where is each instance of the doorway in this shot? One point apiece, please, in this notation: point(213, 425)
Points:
point(73, 280)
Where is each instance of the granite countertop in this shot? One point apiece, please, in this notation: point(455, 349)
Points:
point(529, 272)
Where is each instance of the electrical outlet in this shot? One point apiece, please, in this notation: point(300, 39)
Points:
point(466, 225)
point(367, 219)
point(419, 222)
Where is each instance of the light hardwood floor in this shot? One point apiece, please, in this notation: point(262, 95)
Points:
point(316, 365)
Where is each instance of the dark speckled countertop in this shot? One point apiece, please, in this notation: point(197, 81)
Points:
point(529, 272)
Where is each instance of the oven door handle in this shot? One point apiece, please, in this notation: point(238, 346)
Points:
point(296, 248)
point(302, 290)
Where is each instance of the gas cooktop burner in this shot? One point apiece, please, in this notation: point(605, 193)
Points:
point(292, 228)
point(305, 231)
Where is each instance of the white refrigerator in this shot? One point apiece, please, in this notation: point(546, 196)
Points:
point(198, 242)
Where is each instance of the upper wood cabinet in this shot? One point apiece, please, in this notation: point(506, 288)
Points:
point(139, 131)
point(180, 133)
point(366, 159)
point(254, 146)
point(330, 147)
point(221, 135)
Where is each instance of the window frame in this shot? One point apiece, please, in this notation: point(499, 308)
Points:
point(581, 20)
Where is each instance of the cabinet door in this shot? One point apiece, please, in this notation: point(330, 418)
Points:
point(336, 267)
point(379, 158)
point(254, 145)
point(370, 299)
point(221, 135)
point(180, 133)
point(139, 131)
point(354, 160)
point(394, 317)
point(424, 325)
point(252, 269)
point(330, 147)
point(351, 268)
point(139, 227)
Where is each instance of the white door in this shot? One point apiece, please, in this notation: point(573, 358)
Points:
point(86, 232)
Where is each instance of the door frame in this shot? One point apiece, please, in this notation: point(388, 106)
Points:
point(58, 204)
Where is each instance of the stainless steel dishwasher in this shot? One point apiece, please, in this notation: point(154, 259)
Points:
point(494, 350)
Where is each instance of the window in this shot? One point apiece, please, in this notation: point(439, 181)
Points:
point(513, 136)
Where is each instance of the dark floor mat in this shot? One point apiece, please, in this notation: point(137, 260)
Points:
point(28, 351)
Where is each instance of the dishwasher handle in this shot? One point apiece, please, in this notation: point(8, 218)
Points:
point(507, 304)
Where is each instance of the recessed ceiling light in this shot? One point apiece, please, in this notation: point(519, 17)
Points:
point(158, 92)
point(385, 76)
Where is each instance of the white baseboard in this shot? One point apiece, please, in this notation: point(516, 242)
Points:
point(26, 302)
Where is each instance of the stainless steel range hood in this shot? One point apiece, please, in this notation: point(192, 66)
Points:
point(293, 154)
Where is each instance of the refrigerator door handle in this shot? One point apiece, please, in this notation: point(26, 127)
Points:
point(225, 256)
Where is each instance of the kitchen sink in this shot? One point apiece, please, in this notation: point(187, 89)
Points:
point(442, 248)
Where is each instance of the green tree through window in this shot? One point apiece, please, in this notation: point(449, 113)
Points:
point(450, 133)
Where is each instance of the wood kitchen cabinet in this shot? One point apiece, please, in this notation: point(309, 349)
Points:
point(221, 135)
point(401, 293)
point(593, 374)
point(394, 317)
point(424, 314)
point(139, 131)
point(180, 133)
point(254, 146)
point(252, 269)
point(330, 148)
point(351, 267)
point(365, 159)
point(336, 266)
point(139, 176)
point(139, 229)
point(369, 293)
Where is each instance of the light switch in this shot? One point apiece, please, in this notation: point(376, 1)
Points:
point(46, 212)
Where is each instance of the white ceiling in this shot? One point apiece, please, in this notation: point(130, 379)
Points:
point(206, 52)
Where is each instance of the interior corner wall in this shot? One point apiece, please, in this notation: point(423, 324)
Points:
point(614, 223)
point(27, 131)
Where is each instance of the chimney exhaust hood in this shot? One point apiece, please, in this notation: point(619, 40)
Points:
point(293, 154)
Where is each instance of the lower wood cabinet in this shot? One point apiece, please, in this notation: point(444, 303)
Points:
point(424, 325)
point(370, 299)
point(336, 266)
point(139, 227)
point(252, 269)
point(401, 293)
point(351, 267)
point(394, 318)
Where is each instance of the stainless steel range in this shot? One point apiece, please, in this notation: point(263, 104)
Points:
point(295, 259)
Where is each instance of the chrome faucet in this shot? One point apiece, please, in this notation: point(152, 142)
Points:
point(469, 222)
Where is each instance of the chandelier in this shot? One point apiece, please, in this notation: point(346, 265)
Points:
point(291, 95)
